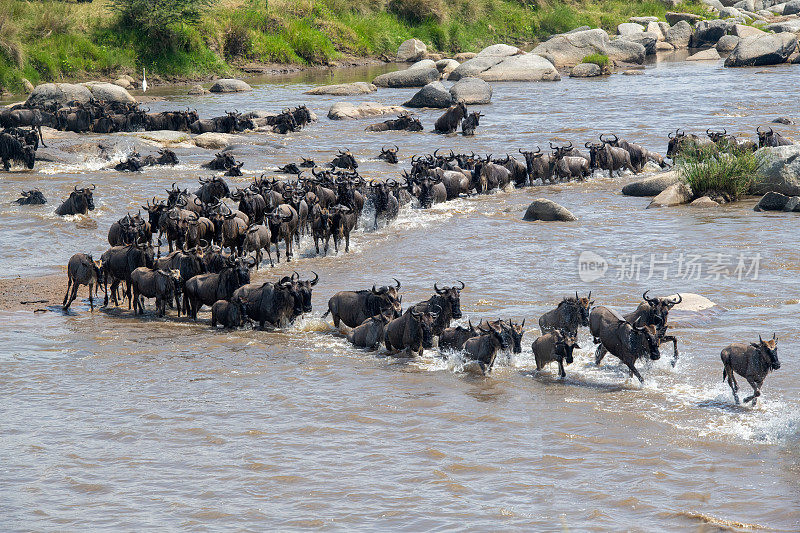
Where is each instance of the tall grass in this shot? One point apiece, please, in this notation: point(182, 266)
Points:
point(729, 174)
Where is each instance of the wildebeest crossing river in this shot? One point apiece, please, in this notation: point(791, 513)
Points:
point(126, 423)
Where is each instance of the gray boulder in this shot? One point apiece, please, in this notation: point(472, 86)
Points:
point(525, 67)
point(48, 94)
point(585, 70)
point(432, 95)
point(344, 89)
point(424, 63)
point(628, 28)
point(415, 77)
point(792, 26)
point(569, 49)
point(676, 194)
point(781, 171)
point(446, 66)
point(673, 18)
point(704, 201)
point(679, 35)
point(109, 92)
point(484, 60)
point(548, 210)
point(740, 30)
point(647, 39)
point(411, 50)
point(762, 50)
point(655, 29)
point(775, 201)
point(653, 185)
point(471, 91)
point(791, 8)
point(626, 51)
point(706, 55)
point(716, 4)
point(729, 13)
point(708, 32)
point(346, 110)
point(727, 43)
point(644, 21)
point(579, 28)
point(229, 85)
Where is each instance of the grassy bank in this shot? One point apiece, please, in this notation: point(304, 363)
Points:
point(50, 41)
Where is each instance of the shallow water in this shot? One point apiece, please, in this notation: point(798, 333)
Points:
point(120, 423)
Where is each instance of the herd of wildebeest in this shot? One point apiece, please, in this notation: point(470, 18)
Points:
point(216, 235)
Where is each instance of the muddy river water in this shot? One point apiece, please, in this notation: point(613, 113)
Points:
point(121, 423)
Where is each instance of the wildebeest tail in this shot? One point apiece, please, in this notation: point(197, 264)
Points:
point(326, 313)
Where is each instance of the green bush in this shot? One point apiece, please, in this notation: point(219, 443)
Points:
point(598, 59)
point(712, 172)
point(157, 19)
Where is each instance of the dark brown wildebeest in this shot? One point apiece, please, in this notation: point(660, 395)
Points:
point(386, 204)
point(81, 270)
point(354, 307)
point(80, 202)
point(13, 149)
point(343, 220)
point(653, 311)
point(119, 262)
point(512, 332)
point(484, 347)
point(447, 303)
point(566, 167)
point(622, 339)
point(556, 345)
point(370, 333)
point(538, 166)
point(275, 303)
point(258, 238)
point(344, 159)
point(449, 122)
point(231, 314)
point(32, 197)
point(751, 361)
point(389, 154)
point(604, 156)
point(431, 191)
point(570, 314)
point(163, 285)
point(188, 263)
point(770, 138)
point(321, 227)
point(282, 224)
point(208, 288)
point(404, 121)
point(470, 124)
point(454, 338)
point(411, 332)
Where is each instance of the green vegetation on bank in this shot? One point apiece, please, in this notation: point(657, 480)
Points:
point(45, 40)
point(730, 174)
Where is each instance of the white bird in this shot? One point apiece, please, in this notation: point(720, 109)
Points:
point(144, 81)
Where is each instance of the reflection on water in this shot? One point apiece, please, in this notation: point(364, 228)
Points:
point(124, 423)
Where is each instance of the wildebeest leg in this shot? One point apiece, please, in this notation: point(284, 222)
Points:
point(269, 255)
point(599, 353)
point(288, 248)
point(336, 320)
point(66, 295)
point(128, 293)
point(674, 340)
point(91, 300)
point(635, 372)
point(756, 392)
point(728, 372)
point(561, 372)
point(347, 242)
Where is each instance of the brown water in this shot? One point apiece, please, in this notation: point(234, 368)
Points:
point(120, 423)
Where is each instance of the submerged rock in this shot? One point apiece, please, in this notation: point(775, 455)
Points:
point(413, 77)
point(585, 70)
point(434, 95)
point(775, 201)
point(525, 67)
point(214, 141)
point(229, 85)
point(471, 91)
point(344, 89)
point(547, 210)
point(676, 194)
point(768, 49)
point(706, 55)
point(651, 186)
point(346, 110)
point(704, 201)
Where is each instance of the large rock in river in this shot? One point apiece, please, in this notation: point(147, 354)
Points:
point(346, 110)
point(214, 141)
point(484, 60)
point(411, 50)
point(471, 91)
point(544, 209)
point(229, 85)
point(708, 32)
point(781, 171)
point(679, 35)
point(446, 66)
point(109, 92)
point(769, 49)
point(775, 201)
point(344, 89)
point(653, 185)
point(585, 70)
point(569, 49)
point(676, 194)
point(434, 94)
point(647, 39)
point(48, 94)
point(525, 67)
point(413, 77)
point(706, 55)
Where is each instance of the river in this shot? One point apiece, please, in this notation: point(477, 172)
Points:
point(121, 423)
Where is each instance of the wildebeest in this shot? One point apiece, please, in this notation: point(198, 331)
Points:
point(258, 238)
point(538, 165)
point(134, 162)
point(567, 167)
point(404, 121)
point(680, 142)
point(370, 333)
point(557, 345)
point(653, 311)
point(639, 154)
point(13, 149)
point(354, 307)
point(81, 270)
point(230, 314)
point(753, 362)
point(411, 332)
point(470, 124)
point(282, 224)
point(80, 202)
point(32, 197)
point(386, 204)
point(570, 314)
point(343, 220)
point(485, 346)
point(771, 138)
point(274, 303)
point(117, 264)
point(208, 288)
point(344, 159)
point(622, 339)
point(431, 191)
point(511, 331)
point(291, 168)
point(163, 285)
point(389, 154)
point(212, 190)
point(224, 161)
point(605, 156)
point(188, 263)
point(447, 302)
point(320, 227)
point(451, 120)
point(453, 338)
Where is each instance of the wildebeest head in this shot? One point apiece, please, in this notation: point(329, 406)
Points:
point(82, 197)
point(770, 349)
point(344, 159)
point(453, 296)
point(660, 308)
point(390, 299)
point(167, 157)
point(496, 331)
point(675, 140)
point(154, 211)
point(32, 197)
point(516, 331)
point(717, 136)
point(303, 289)
point(565, 345)
point(579, 306)
point(407, 121)
point(644, 340)
point(426, 319)
point(241, 267)
point(389, 154)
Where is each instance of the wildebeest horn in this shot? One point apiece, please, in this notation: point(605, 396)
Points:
point(438, 290)
point(316, 278)
point(396, 148)
point(758, 129)
point(462, 285)
point(670, 135)
point(708, 132)
point(760, 339)
point(588, 144)
point(398, 283)
point(679, 300)
point(576, 296)
point(76, 188)
point(568, 148)
point(551, 146)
